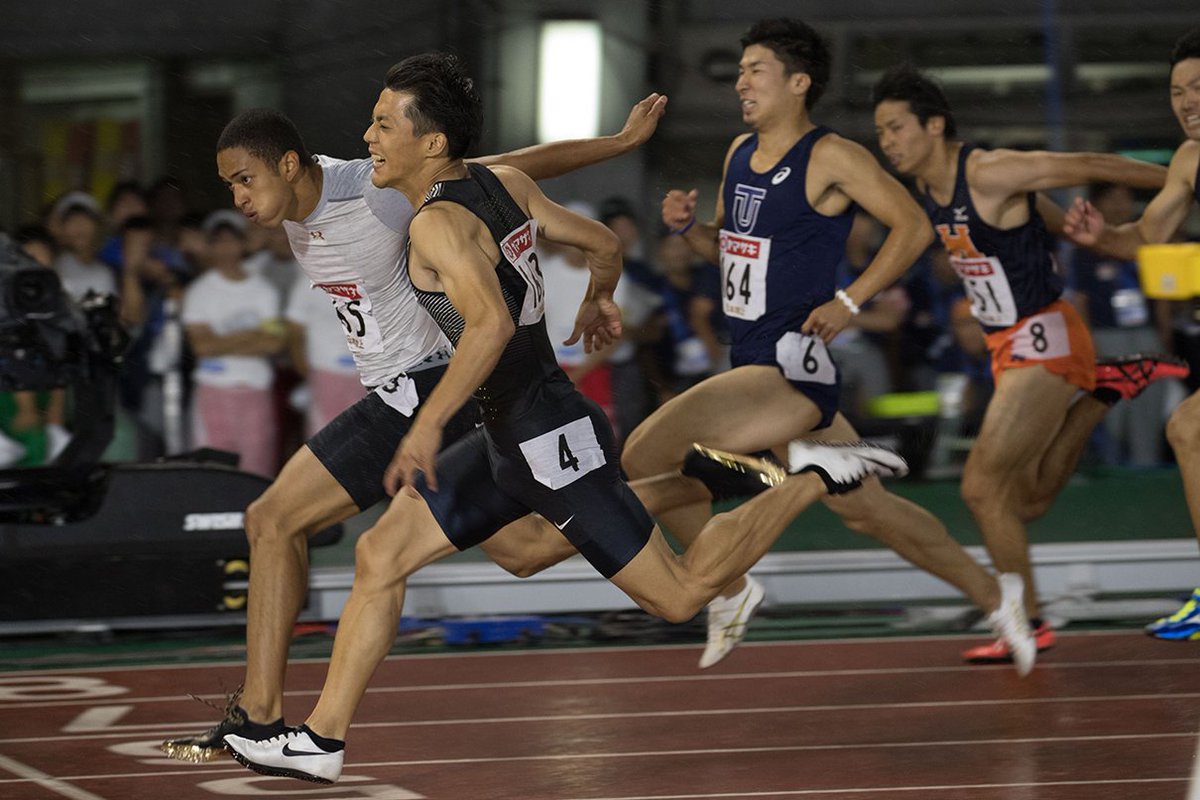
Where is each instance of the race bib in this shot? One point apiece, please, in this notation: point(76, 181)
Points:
point(744, 261)
point(354, 312)
point(1042, 337)
point(400, 393)
point(987, 287)
point(564, 455)
point(519, 248)
point(805, 358)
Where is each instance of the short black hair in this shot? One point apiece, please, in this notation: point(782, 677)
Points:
point(616, 206)
point(444, 99)
point(1187, 47)
point(925, 98)
point(265, 134)
point(137, 223)
point(33, 233)
point(123, 188)
point(799, 47)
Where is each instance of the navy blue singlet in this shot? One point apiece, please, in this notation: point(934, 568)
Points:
point(1008, 274)
point(779, 256)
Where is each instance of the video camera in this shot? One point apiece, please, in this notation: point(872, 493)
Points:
point(46, 339)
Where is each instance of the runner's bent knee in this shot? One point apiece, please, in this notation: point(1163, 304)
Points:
point(1183, 427)
point(266, 525)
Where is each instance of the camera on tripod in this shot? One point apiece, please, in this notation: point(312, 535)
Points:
point(46, 339)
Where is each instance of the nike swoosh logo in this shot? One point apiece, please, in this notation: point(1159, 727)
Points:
point(565, 524)
point(288, 751)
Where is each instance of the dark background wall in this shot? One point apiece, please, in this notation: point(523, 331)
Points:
point(1059, 73)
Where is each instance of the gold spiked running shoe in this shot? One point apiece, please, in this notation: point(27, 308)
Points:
point(210, 745)
point(730, 476)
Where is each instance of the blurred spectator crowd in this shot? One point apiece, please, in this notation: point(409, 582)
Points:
point(232, 349)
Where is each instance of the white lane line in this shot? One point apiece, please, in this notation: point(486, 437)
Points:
point(581, 650)
point(887, 789)
point(48, 782)
point(643, 679)
point(128, 731)
point(712, 751)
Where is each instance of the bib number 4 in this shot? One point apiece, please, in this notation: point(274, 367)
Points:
point(562, 456)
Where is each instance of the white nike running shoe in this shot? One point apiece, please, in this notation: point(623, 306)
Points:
point(727, 619)
point(292, 754)
point(843, 465)
point(1010, 623)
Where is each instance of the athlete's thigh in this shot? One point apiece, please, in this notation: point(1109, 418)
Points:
point(652, 576)
point(405, 538)
point(746, 409)
point(305, 496)
point(1023, 417)
point(528, 545)
point(561, 464)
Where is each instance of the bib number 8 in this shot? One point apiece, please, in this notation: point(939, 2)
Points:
point(1042, 337)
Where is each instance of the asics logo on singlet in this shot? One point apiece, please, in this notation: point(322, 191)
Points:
point(781, 176)
point(747, 200)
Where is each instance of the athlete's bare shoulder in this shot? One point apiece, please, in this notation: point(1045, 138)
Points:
point(518, 184)
point(735, 144)
point(1188, 159)
point(837, 156)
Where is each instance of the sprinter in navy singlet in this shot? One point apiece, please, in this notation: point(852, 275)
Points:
point(782, 218)
point(1160, 223)
point(778, 261)
point(983, 206)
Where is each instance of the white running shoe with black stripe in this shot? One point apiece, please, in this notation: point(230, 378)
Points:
point(844, 465)
point(292, 754)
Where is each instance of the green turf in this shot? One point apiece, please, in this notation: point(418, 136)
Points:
point(1096, 505)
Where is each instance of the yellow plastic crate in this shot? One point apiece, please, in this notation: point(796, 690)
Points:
point(1170, 271)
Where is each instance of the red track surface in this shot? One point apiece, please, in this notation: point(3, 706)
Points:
point(1103, 716)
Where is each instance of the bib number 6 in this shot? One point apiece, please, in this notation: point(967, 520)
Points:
point(805, 359)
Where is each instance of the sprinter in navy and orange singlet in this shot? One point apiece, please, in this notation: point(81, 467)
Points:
point(985, 207)
point(789, 190)
point(1160, 223)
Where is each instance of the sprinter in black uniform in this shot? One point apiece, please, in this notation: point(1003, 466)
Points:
point(1159, 223)
point(542, 446)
